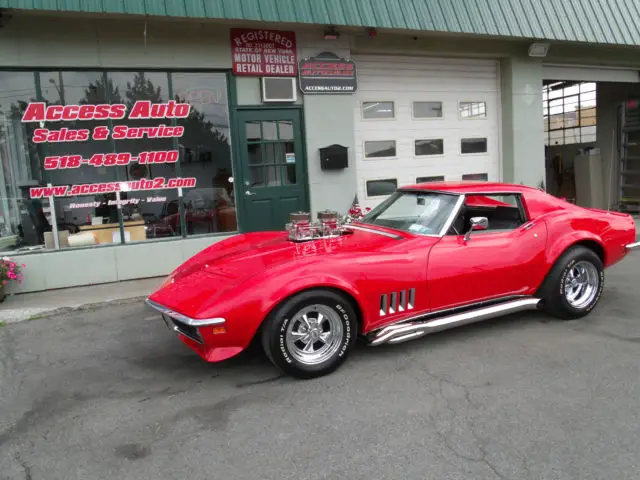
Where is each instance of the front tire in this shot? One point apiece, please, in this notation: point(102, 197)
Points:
point(310, 334)
point(574, 285)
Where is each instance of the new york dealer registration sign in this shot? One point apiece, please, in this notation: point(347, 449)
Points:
point(263, 53)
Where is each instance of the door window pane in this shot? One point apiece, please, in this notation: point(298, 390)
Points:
point(429, 147)
point(377, 110)
point(472, 110)
point(270, 153)
point(377, 188)
point(380, 148)
point(427, 109)
point(473, 145)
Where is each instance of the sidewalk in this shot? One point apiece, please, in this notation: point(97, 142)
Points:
point(17, 308)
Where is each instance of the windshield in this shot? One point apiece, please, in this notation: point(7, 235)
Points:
point(423, 213)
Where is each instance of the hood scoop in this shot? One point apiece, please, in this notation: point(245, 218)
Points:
point(301, 228)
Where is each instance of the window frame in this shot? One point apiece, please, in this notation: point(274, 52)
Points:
point(435, 155)
point(520, 206)
point(547, 116)
point(428, 119)
point(473, 137)
point(373, 159)
point(460, 117)
point(385, 119)
point(231, 93)
point(440, 178)
point(378, 179)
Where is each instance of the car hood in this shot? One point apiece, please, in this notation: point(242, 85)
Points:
point(225, 264)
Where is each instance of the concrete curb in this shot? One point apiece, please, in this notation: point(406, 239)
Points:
point(11, 316)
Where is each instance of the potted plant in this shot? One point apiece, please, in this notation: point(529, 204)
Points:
point(10, 271)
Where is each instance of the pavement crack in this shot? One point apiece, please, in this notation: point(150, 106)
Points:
point(27, 469)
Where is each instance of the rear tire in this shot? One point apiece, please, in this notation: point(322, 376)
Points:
point(310, 334)
point(574, 285)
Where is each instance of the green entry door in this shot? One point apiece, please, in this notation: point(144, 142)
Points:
point(273, 172)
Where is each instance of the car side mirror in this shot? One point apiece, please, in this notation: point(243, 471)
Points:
point(477, 224)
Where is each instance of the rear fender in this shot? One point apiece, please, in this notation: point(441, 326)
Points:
point(564, 243)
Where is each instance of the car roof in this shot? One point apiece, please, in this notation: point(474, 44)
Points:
point(467, 186)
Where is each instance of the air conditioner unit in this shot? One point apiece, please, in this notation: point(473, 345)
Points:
point(279, 89)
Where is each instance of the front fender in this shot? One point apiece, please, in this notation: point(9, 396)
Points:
point(247, 304)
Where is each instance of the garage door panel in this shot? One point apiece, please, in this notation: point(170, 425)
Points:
point(447, 82)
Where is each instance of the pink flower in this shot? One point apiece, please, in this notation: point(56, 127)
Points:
point(23, 265)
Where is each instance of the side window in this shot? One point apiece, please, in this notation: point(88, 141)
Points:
point(504, 212)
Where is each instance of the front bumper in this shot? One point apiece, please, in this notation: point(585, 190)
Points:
point(632, 246)
point(208, 337)
point(183, 325)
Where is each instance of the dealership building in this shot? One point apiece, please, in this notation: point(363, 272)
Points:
point(134, 133)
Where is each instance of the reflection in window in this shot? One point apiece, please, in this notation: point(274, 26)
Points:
point(25, 222)
point(206, 152)
point(201, 150)
point(378, 188)
point(270, 153)
point(437, 178)
point(470, 110)
point(473, 145)
point(377, 110)
point(475, 176)
point(380, 148)
point(429, 147)
point(427, 109)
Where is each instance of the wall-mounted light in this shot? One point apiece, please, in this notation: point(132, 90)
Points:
point(539, 49)
point(330, 33)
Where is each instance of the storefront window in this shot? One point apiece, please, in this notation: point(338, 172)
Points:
point(130, 156)
point(206, 153)
point(24, 222)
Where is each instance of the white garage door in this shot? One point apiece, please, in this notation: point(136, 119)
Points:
point(422, 119)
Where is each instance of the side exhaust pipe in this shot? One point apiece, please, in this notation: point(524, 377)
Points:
point(413, 329)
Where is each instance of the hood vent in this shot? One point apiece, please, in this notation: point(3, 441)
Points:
point(397, 302)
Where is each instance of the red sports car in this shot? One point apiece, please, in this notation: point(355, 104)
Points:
point(430, 257)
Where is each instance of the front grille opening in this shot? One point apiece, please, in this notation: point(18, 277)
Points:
point(188, 330)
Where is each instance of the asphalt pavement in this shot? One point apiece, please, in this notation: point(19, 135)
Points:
point(112, 394)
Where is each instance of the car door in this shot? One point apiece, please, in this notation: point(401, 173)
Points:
point(489, 265)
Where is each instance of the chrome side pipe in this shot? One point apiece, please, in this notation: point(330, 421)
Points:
point(413, 329)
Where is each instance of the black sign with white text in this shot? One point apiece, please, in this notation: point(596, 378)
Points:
point(326, 74)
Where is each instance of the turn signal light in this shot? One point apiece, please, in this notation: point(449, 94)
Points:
point(218, 330)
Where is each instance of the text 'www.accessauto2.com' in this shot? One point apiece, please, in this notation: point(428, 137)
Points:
point(158, 183)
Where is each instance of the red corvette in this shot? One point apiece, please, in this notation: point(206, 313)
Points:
point(430, 257)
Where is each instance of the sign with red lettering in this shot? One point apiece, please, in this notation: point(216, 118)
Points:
point(40, 112)
point(263, 53)
point(326, 74)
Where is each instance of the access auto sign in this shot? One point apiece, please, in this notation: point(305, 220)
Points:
point(327, 74)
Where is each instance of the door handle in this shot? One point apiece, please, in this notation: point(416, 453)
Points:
point(248, 193)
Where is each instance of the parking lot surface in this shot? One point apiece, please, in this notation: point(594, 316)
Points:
point(112, 394)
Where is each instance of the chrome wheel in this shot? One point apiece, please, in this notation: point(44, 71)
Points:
point(314, 334)
point(581, 286)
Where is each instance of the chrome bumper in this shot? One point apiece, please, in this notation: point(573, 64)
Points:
point(183, 325)
point(632, 246)
point(203, 322)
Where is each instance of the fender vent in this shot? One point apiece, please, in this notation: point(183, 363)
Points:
point(397, 302)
